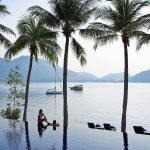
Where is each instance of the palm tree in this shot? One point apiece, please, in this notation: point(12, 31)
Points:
point(4, 29)
point(39, 40)
point(67, 16)
point(123, 19)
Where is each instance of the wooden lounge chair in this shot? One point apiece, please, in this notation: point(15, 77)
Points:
point(91, 125)
point(107, 126)
point(140, 130)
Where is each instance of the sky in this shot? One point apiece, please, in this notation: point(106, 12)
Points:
point(105, 60)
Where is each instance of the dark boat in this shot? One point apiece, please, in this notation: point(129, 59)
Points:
point(77, 88)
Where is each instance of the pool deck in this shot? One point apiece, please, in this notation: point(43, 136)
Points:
point(25, 136)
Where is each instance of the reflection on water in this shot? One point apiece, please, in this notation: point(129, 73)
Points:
point(28, 143)
point(53, 147)
point(41, 129)
point(64, 137)
point(125, 139)
point(54, 128)
point(24, 136)
point(14, 134)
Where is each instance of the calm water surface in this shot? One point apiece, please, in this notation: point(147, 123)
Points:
point(98, 103)
point(25, 136)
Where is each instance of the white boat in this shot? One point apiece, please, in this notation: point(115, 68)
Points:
point(77, 88)
point(53, 91)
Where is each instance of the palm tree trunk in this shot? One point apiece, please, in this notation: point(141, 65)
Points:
point(65, 106)
point(125, 97)
point(125, 139)
point(64, 138)
point(27, 88)
point(28, 147)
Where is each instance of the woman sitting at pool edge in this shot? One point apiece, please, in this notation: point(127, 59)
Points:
point(42, 118)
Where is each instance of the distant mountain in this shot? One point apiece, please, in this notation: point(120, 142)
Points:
point(41, 71)
point(44, 72)
point(113, 77)
point(143, 76)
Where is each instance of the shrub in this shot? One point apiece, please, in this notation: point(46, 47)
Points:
point(10, 113)
point(16, 93)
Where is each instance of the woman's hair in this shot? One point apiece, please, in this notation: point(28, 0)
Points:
point(40, 111)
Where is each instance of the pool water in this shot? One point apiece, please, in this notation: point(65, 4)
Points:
point(25, 136)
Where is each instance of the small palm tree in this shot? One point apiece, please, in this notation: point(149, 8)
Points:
point(4, 29)
point(121, 19)
point(68, 16)
point(40, 41)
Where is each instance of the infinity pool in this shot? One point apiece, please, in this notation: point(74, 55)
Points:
point(25, 136)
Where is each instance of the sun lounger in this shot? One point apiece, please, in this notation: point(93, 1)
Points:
point(107, 126)
point(140, 130)
point(93, 126)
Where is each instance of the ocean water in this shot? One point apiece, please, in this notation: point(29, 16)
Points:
point(98, 103)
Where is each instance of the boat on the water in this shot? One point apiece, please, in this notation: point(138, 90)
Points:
point(54, 90)
point(77, 88)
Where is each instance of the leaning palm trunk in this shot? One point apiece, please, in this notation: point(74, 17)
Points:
point(125, 97)
point(65, 108)
point(27, 88)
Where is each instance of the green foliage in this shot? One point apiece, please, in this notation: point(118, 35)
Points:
point(68, 21)
point(10, 113)
point(16, 93)
point(119, 18)
point(34, 35)
point(4, 29)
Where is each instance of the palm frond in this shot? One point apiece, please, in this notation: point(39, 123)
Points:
point(137, 5)
point(25, 25)
point(84, 11)
point(91, 33)
point(48, 34)
point(3, 10)
point(136, 34)
point(54, 47)
point(87, 14)
point(73, 13)
point(21, 43)
point(101, 26)
point(6, 29)
point(106, 13)
point(50, 51)
point(45, 16)
point(140, 23)
point(78, 51)
point(5, 41)
point(105, 39)
point(142, 39)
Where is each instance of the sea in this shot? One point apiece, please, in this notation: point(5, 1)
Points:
point(98, 103)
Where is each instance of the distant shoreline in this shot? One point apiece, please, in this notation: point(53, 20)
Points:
point(78, 82)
